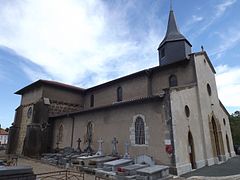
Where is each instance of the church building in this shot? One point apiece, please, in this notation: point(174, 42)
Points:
point(170, 112)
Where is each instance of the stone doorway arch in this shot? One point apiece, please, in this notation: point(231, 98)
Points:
point(216, 138)
point(228, 146)
point(191, 150)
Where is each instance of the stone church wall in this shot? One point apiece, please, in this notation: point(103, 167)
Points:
point(25, 120)
point(117, 122)
point(32, 96)
point(210, 107)
point(137, 87)
point(62, 95)
point(182, 124)
point(160, 79)
point(133, 88)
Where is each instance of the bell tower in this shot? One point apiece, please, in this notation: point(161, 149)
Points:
point(174, 47)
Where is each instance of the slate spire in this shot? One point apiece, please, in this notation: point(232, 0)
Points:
point(174, 47)
point(172, 33)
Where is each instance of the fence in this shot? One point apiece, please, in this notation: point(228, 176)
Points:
point(61, 175)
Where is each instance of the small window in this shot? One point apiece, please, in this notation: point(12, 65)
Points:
point(92, 101)
point(29, 112)
point(173, 81)
point(139, 131)
point(119, 94)
point(209, 90)
point(187, 111)
point(162, 52)
point(224, 121)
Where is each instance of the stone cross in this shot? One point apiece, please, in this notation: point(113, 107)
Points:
point(126, 155)
point(114, 147)
point(100, 147)
point(78, 147)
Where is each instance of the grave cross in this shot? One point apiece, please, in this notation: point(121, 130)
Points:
point(100, 148)
point(114, 147)
point(126, 155)
point(78, 148)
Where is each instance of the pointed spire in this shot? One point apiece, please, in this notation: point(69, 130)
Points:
point(174, 47)
point(172, 33)
point(171, 8)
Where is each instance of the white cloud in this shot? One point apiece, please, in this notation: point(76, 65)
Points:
point(70, 38)
point(219, 11)
point(228, 83)
point(228, 39)
point(221, 8)
point(196, 18)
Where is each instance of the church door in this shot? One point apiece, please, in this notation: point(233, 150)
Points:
point(215, 134)
point(191, 150)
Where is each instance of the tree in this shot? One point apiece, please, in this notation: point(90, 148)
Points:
point(236, 114)
point(235, 126)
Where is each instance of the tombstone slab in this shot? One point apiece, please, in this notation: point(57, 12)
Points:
point(17, 172)
point(98, 162)
point(154, 172)
point(113, 165)
point(84, 160)
point(130, 169)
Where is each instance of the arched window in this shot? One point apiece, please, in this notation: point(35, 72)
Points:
point(187, 111)
point(139, 131)
point(209, 90)
point(119, 94)
point(60, 133)
point(92, 100)
point(173, 81)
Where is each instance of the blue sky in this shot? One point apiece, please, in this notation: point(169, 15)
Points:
point(85, 43)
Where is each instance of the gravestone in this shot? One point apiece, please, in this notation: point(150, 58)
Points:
point(126, 155)
point(100, 147)
point(114, 146)
point(89, 149)
point(144, 159)
point(78, 147)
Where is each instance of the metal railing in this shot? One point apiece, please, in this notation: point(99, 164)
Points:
point(61, 175)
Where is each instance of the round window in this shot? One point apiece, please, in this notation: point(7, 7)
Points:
point(209, 90)
point(187, 111)
point(29, 112)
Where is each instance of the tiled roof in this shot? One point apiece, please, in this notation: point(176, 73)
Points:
point(50, 83)
point(3, 132)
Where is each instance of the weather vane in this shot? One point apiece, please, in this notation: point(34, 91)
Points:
point(171, 8)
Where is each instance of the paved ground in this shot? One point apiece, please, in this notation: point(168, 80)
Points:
point(229, 168)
